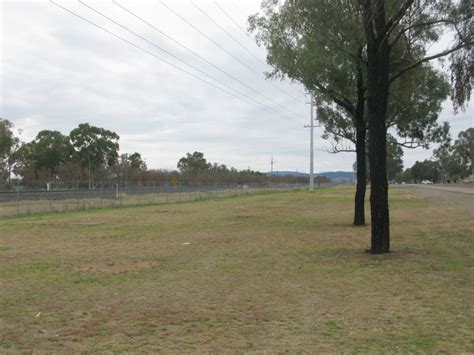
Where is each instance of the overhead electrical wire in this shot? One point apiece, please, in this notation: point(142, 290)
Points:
point(199, 56)
point(233, 20)
point(240, 45)
point(245, 31)
point(162, 59)
point(226, 32)
point(177, 58)
point(182, 18)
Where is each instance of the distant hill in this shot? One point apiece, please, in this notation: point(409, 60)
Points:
point(287, 173)
point(334, 176)
point(339, 176)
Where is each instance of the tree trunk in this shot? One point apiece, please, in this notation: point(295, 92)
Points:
point(360, 125)
point(378, 53)
point(380, 240)
point(359, 210)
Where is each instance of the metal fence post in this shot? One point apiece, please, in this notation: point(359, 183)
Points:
point(17, 196)
point(120, 195)
point(101, 193)
point(50, 201)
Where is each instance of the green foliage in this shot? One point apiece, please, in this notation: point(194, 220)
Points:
point(7, 138)
point(425, 170)
point(195, 168)
point(130, 167)
point(136, 162)
point(96, 147)
point(455, 160)
point(462, 61)
point(405, 176)
point(414, 106)
point(46, 153)
point(464, 148)
point(193, 163)
point(394, 158)
point(450, 163)
point(306, 44)
point(9, 145)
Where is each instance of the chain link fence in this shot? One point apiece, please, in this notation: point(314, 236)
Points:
point(22, 201)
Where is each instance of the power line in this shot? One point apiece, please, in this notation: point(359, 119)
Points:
point(182, 18)
point(240, 44)
point(176, 57)
point(209, 38)
point(235, 22)
point(227, 32)
point(245, 31)
point(156, 56)
point(199, 56)
point(160, 48)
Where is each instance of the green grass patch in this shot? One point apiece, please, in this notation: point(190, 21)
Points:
point(267, 273)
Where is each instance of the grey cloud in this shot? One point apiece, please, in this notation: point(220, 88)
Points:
point(58, 71)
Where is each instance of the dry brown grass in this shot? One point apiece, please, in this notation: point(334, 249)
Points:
point(276, 273)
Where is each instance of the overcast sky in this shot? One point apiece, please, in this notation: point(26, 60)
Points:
point(58, 71)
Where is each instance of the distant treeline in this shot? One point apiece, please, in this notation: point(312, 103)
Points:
point(90, 156)
point(451, 162)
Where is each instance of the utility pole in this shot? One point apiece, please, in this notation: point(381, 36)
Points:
point(311, 145)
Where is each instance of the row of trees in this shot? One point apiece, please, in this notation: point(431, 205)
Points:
point(194, 167)
point(451, 163)
point(91, 154)
point(86, 153)
point(367, 64)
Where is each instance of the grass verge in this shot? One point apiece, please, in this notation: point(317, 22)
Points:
point(277, 272)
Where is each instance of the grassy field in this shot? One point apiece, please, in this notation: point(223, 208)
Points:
point(279, 272)
point(82, 203)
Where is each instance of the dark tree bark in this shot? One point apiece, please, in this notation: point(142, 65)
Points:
point(359, 210)
point(378, 54)
point(359, 123)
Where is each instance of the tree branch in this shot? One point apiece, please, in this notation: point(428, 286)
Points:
point(341, 101)
point(413, 144)
point(334, 149)
point(429, 58)
point(395, 20)
point(421, 24)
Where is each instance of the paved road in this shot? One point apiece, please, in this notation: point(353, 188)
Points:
point(455, 189)
point(460, 197)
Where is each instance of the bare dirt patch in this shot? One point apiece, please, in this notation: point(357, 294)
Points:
point(114, 267)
